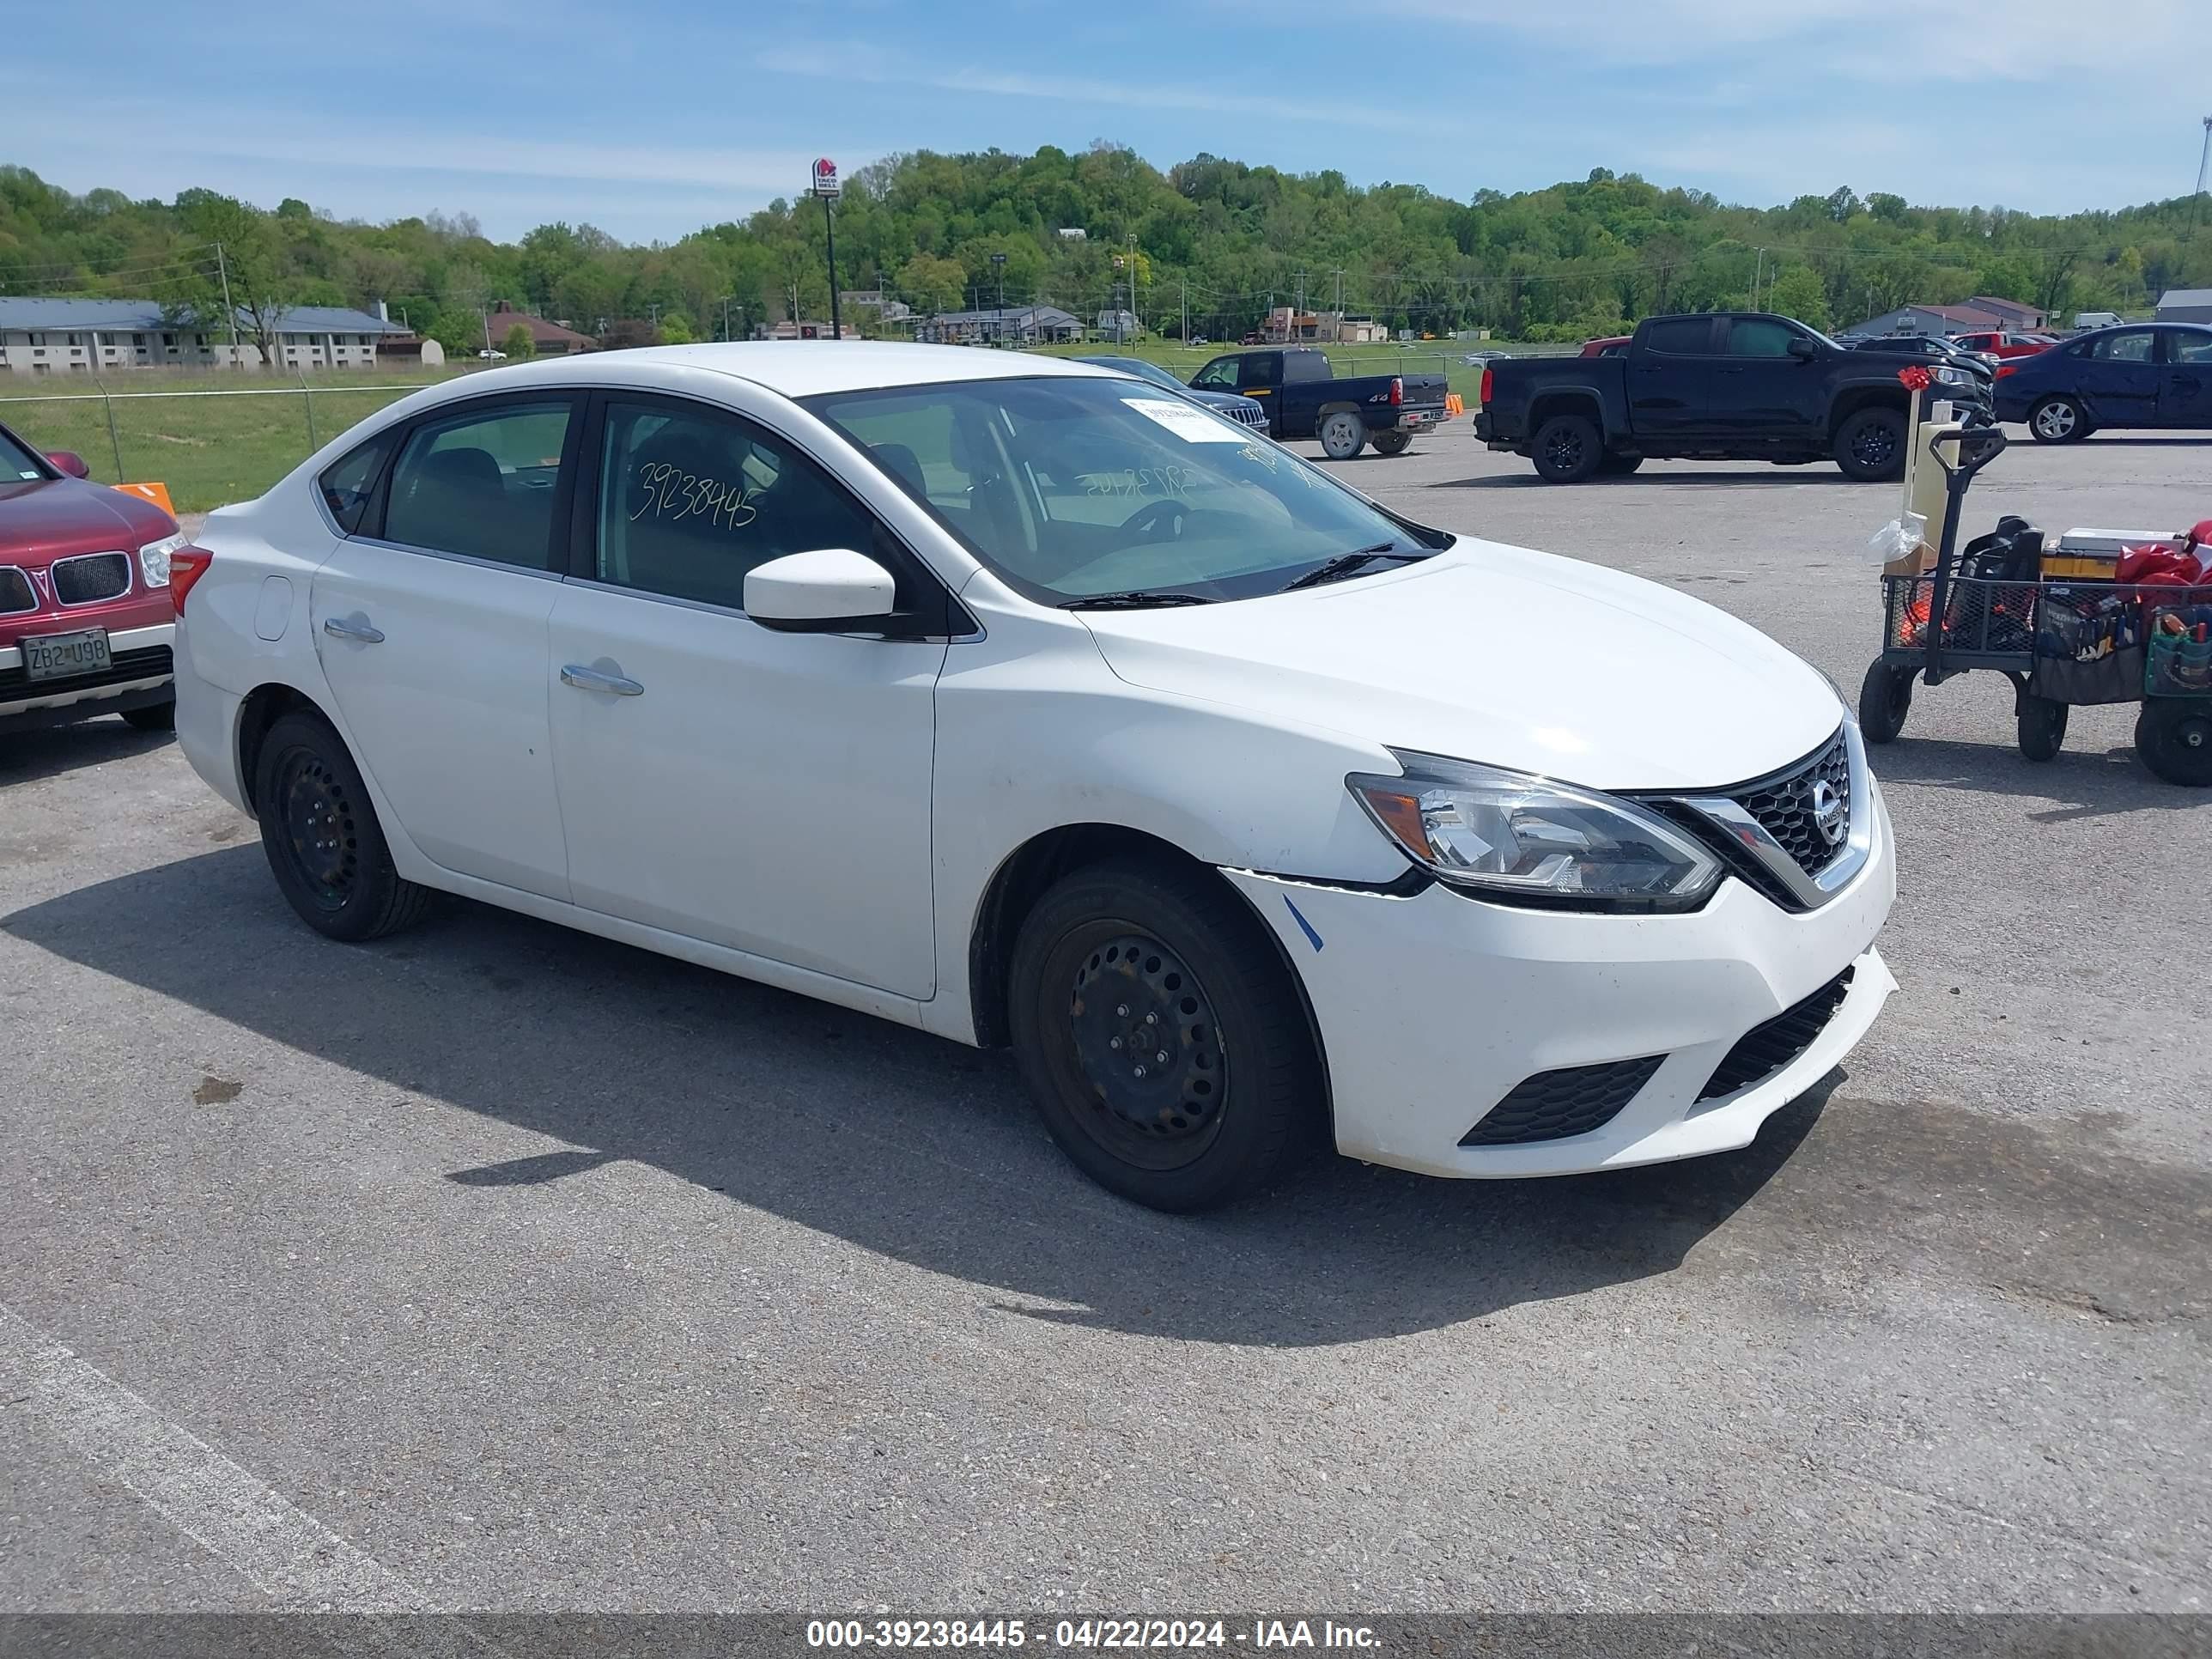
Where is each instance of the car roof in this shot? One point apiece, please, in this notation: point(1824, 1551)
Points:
point(796, 368)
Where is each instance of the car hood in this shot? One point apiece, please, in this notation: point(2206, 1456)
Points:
point(1501, 655)
point(47, 519)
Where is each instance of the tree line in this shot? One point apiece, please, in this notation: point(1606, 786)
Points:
point(1209, 244)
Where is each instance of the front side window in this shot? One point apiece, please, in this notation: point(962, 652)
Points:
point(2185, 346)
point(693, 498)
point(1219, 376)
point(2133, 347)
point(1758, 337)
point(1071, 489)
point(482, 484)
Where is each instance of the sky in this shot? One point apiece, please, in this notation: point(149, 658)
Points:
point(655, 117)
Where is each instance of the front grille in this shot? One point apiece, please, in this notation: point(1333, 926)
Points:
point(91, 578)
point(16, 592)
point(1767, 1047)
point(128, 665)
point(1253, 415)
point(1572, 1101)
point(1783, 806)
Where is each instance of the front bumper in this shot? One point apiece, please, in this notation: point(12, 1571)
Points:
point(140, 676)
point(1432, 1009)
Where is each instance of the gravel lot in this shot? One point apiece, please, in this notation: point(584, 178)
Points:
point(499, 1267)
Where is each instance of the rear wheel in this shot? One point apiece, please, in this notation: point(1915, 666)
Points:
point(2174, 737)
point(2042, 727)
point(1568, 449)
point(1391, 443)
point(323, 841)
point(1885, 699)
point(154, 717)
point(1870, 446)
point(2057, 421)
point(1160, 1036)
point(1343, 435)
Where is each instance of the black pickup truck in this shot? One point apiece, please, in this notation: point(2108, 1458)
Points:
point(1305, 400)
point(1716, 386)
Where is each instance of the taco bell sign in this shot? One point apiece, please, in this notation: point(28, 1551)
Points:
point(822, 179)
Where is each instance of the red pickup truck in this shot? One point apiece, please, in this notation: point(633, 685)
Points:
point(1996, 342)
point(85, 625)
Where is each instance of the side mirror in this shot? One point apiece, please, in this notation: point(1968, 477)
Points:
point(69, 461)
point(1802, 349)
point(833, 590)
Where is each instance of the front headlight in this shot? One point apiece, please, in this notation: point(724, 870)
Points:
point(1513, 836)
point(154, 560)
point(1947, 375)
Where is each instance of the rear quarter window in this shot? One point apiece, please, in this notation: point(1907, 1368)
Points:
point(349, 483)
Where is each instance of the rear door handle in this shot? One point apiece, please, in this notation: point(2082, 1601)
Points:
point(593, 679)
point(345, 627)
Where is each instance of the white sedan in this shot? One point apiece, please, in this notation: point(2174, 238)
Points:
point(1029, 704)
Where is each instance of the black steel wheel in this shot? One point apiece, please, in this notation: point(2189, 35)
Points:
point(319, 832)
point(1160, 1036)
point(2042, 726)
point(1568, 449)
point(1870, 446)
point(1885, 699)
point(2173, 735)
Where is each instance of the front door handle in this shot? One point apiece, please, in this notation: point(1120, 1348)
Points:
point(345, 627)
point(593, 679)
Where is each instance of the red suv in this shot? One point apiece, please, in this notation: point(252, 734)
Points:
point(86, 625)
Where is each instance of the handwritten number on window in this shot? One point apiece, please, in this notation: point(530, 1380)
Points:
point(671, 493)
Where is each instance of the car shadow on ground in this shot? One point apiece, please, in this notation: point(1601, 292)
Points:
point(2080, 783)
point(1810, 473)
point(26, 756)
point(905, 1144)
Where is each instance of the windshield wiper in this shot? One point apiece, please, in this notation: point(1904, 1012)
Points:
point(1136, 599)
point(1344, 564)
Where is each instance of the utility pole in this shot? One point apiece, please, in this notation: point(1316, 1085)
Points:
point(1339, 274)
point(1757, 271)
point(998, 262)
point(1186, 310)
point(484, 314)
point(2204, 174)
point(222, 268)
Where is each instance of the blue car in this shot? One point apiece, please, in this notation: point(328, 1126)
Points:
point(1245, 411)
point(2140, 374)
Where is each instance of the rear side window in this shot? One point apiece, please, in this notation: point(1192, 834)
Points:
point(2125, 348)
point(482, 484)
point(348, 484)
point(1682, 336)
point(1305, 366)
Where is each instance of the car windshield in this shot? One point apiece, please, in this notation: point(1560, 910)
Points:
point(1072, 489)
point(1137, 367)
point(17, 463)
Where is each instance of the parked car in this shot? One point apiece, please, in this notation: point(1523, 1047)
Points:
point(2086, 320)
point(1477, 359)
point(1029, 705)
point(1934, 349)
point(86, 626)
point(1609, 345)
point(1305, 400)
point(2138, 376)
point(1245, 411)
point(1727, 386)
point(2002, 345)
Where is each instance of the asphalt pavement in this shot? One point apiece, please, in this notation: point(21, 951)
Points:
point(497, 1267)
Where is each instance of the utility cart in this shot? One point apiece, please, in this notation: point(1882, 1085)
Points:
point(2049, 620)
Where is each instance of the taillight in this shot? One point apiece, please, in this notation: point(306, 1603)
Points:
point(2004, 369)
point(1483, 396)
point(1397, 391)
point(186, 565)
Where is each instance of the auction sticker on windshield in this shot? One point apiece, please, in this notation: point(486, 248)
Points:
point(1193, 425)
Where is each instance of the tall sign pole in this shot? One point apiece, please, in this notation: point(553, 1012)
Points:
point(824, 183)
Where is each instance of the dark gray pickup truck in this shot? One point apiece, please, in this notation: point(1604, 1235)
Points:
point(1714, 386)
point(1305, 400)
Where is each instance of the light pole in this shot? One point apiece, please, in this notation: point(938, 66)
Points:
point(998, 261)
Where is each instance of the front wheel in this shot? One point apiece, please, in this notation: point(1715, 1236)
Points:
point(1568, 449)
point(1885, 699)
point(324, 844)
point(2174, 737)
point(1870, 446)
point(2042, 727)
point(1391, 443)
point(1159, 1033)
point(1343, 435)
point(2057, 421)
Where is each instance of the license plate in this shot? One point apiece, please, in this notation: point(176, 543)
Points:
point(52, 656)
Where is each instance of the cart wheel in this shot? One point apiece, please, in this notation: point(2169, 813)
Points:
point(1885, 697)
point(2042, 726)
point(2174, 737)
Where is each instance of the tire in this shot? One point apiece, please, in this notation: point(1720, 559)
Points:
point(1619, 466)
point(2057, 421)
point(1343, 434)
point(154, 717)
point(2042, 727)
point(1885, 699)
point(1240, 1093)
point(1870, 446)
point(1568, 449)
point(321, 836)
point(2173, 735)
point(1391, 443)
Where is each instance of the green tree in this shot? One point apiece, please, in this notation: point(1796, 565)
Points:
point(676, 329)
point(251, 263)
point(517, 342)
point(1799, 292)
point(928, 282)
